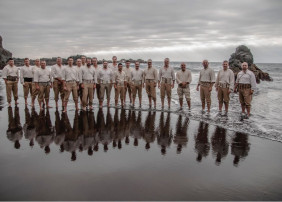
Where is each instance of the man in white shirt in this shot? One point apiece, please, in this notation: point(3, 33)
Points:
point(114, 65)
point(78, 68)
point(184, 79)
point(246, 84)
point(35, 91)
point(166, 82)
point(137, 78)
point(127, 70)
point(58, 86)
point(43, 82)
point(224, 85)
point(10, 74)
point(26, 79)
point(70, 79)
point(96, 67)
point(83, 61)
point(206, 81)
point(119, 84)
point(105, 76)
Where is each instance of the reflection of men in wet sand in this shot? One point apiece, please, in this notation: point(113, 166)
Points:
point(137, 129)
point(150, 79)
point(150, 129)
point(202, 145)
point(119, 127)
point(219, 144)
point(60, 130)
point(14, 132)
point(183, 79)
point(128, 127)
point(206, 81)
point(105, 129)
point(166, 82)
point(71, 142)
point(180, 138)
point(29, 128)
point(10, 74)
point(45, 135)
point(165, 133)
point(240, 147)
point(88, 131)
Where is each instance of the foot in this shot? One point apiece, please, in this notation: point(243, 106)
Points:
point(49, 106)
point(90, 107)
point(84, 108)
point(9, 104)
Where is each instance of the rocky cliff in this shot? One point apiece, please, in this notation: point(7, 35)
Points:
point(4, 55)
point(243, 54)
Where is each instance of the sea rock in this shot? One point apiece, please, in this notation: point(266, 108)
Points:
point(4, 55)
point(243, 54)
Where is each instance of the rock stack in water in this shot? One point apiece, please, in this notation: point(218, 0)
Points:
point(4, 55)
point(243, 54)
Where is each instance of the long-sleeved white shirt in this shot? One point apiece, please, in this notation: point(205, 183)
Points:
point(207, 75)
point(119, 77)
point(137, 75)
point(166, 73)
point(10, 71)
point(183, 76)
point(225, 77)
point(88, 73)
point(247, 78)
point(34, 69)
point(57, 71)
point(151, 73)
point(105, 75)
point(127, 72)
point(70, 74)
point(26, 72)
point(43, 75)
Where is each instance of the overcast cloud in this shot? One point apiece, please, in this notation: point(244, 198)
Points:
point(180, 29)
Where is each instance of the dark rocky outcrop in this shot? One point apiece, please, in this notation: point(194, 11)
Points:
point(4, 55)
point(243, 54)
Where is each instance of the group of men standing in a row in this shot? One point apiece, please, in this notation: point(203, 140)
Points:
point(82, 80)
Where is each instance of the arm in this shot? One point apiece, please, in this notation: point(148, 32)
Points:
point(4, 74)
point(178, 81)
point(173, 78)
point(21, 76)
point(232, 78)
point(189, 77)
point(253, 82)
point(36, 79)
point(217, 80)
point(199, 81)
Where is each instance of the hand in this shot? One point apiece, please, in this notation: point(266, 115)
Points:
point(229, 91)
point(197, 88)
point(82, 85)
point(143, 85)
point(210, 88)
point(216, 88)
point(235, 91)
point(115, 86)
point(51, 85)
point(252, 91)
point(159, 85)
point(155, 84)
point(94, 85)
point(37, 87)
point(24, 84)
point(172, 85)
point(65, 88)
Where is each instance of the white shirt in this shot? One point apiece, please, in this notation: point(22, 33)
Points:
point(10, 71)
point(207, 75)
point(34, 69)
point(166, 72)
point(70, 73)
point(88, 73)
point(57, 71)
point(183, 76)
point(127, 73)
point(26, 72)
point(105, 75)
point(113, 67)
point(120, 77)
point(247, 78)
point(137, 75)
point(225, 77)
point(43, 75)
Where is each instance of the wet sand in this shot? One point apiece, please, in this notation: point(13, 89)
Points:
point(115, 154)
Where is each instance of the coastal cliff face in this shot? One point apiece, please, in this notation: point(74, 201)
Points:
point(4, 55)
point(243, 54)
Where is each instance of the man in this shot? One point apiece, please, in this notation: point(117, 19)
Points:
point(113, 66)
point(96, 67)
point(119, 84)
point(167, 79)
point(88, 80)
point(137, 77)
point(83, 61)
point(35, 92)
point(78, 68)
point(206, 81)
point(105, 75)
point(183, 79)
point(150, 79)
point(10, 74)
point(70, 79)
point(58, 86)
point(224, 86)
point(43, 79)
point(26, 79)
point(246, 84)
point(127, 72)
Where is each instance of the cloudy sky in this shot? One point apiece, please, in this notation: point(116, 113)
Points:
point(183, 30)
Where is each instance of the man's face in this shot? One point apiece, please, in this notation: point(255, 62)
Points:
point(244, 66)
point(183, 67)
point(120, 68)
point(43, 64)
point(105, 64)
point(59, 61)
point(127, 64)
point(166, 62)
point(70, 61)
point(83, 59)
point(78, 62)
point(205, 63)
point(149, 63)
point(225, 65)
point(37, 62)
point(114, 59)
point(94, 60)
point(11, 62)
point(26, 62)
point(88, 61)
point(137, 64)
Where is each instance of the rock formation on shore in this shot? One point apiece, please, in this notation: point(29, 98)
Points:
point(4, 55)
point(243, 54)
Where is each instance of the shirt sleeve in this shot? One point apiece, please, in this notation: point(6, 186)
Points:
point(4, 73)
point(232, 78)
point(80, 75)
point(178, 81)
point(36, 76)
point(160, 74)
point(173, 75)
point(212, 76)
point(217, 79)
point(95, 77)
point(190, 77)
point(64, 74)
point(199, 82)
point(21, 75)
point(253, 81)
point(238, 76)
point(51, 76)
point(156, 75)
point(53, 72)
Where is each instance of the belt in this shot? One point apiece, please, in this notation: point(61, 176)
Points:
point(43, 83)
point(139, 82)
point(205, 83)
point(71, 81)
point(151, 80)
point(12, 78)
point(223, 85)
point(87, 81)
point(166, 80)
point(181, 86)
point(28, 79)
point(104, 82)
point(244, 86)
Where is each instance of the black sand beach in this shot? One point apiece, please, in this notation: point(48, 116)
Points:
point(115, 154)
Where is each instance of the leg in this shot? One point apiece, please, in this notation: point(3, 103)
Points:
point(84, 96)
point(162, 94)
point(40, 96)
point(90, 95)
point(102, 93)
point(15, 92)
point(168, 92)
point(220, 98)
point(180, 96)
point(202, 95)
point(9, 92)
